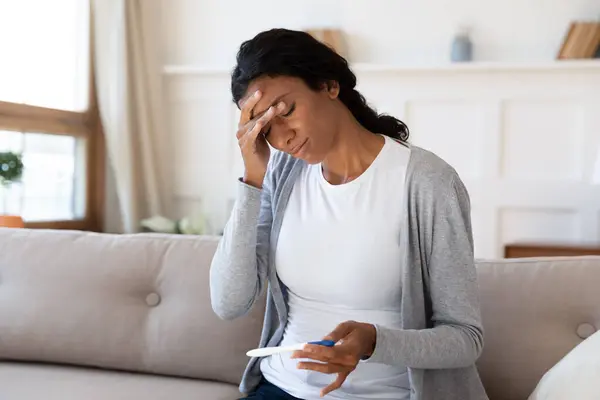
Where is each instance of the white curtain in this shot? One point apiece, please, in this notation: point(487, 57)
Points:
point(128, 83)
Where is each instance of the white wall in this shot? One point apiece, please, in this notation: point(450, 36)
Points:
point(524, 138)
point(379, 31)
point(521, 129)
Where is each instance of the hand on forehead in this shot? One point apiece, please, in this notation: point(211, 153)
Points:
point(273, 91)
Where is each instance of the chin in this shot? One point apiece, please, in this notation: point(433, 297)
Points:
point(307, 158)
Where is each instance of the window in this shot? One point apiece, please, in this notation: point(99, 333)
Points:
point(48, 113)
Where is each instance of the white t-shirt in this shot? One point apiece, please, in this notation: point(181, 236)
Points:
point(338, 254)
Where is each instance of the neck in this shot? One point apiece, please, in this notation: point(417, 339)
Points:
point(354, 149)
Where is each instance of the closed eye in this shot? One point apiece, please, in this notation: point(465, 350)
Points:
point(287, 114)
point(292, 108)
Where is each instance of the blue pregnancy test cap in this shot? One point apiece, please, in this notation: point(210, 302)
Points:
point(327, 343)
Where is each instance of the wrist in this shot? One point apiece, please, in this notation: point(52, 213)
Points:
point(371, 342)
point(253, 181)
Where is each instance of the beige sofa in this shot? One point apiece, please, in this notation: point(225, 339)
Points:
point(98, 316)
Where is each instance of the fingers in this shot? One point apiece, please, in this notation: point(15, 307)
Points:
point(316, 352)
point(341, 331)
point(252, 129)
point(315, 355)
point(261, 122)
point(250, 137)
point(248, 105)
point(248, 133)
point(341, 378)
point(335, 355)
point(328, 368)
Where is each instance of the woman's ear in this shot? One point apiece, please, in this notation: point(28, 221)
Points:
point(333, 89)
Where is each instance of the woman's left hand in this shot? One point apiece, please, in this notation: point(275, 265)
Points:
point(357, 342)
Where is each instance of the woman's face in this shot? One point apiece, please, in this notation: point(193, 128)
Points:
point(306, 127)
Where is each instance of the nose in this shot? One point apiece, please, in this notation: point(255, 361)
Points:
point(281, 136)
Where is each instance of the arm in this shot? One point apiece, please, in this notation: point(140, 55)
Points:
point(456, 336)
point(239, 268)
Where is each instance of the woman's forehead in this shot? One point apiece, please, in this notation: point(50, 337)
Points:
point(274, 87)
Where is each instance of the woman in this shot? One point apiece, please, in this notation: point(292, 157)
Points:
point(361, 238)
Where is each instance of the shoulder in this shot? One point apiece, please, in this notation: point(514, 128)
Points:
point(424, 164)
point(430, 175)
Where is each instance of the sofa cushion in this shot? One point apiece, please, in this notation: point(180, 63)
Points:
point(31, 381)
point(535, 311)
point(576, 376)
point(132, 302)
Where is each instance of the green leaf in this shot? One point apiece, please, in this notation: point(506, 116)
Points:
point(11, 167)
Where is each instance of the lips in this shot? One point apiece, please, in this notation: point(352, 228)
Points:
point(297, 149)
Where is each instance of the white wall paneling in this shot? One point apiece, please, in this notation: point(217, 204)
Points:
point(553, 224)
point(201, 117)
point(524, 138)
point(552, 124)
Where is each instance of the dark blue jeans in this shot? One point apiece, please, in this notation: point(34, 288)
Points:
point(268, 391)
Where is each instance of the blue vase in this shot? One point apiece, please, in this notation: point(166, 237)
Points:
point(462, 49)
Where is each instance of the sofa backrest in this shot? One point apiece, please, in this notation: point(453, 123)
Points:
point(535, 310)
point(141, 303)
point(131, 302)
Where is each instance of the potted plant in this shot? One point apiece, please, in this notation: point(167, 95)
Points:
point(11, 171)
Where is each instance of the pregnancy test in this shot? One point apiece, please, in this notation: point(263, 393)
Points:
point(267, 351)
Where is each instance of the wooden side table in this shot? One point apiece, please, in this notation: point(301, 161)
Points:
point(550, 249)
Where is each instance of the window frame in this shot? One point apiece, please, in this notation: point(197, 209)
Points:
point(87, 125)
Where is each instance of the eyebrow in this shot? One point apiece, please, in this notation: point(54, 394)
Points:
point(274, 102)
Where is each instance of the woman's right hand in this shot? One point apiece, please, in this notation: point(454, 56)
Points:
point(254, 146)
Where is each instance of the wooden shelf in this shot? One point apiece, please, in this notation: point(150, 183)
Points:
point(557, 65)
point(550, 66)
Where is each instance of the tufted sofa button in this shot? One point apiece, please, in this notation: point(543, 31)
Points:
point(585, 330)
point(153, 299)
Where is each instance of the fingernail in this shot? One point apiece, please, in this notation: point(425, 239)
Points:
point(280, 106)
point(257, 93)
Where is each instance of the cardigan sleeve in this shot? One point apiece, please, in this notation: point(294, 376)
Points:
point(455, 336)
point(239, 267)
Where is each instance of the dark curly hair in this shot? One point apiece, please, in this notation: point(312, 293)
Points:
point(284, 52)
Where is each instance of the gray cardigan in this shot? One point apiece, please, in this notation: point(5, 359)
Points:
point(442, 335)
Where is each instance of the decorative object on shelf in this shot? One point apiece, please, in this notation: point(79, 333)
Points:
point(11, 171)
point(581, 41)
point(184, 226)
point(462, 47)
point(334, 38)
